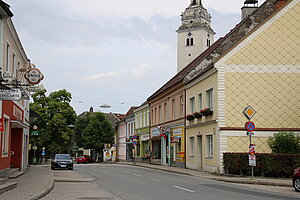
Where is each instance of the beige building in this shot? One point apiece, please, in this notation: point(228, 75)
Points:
point(257, 64)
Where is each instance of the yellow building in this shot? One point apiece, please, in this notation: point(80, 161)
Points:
point(258, 64)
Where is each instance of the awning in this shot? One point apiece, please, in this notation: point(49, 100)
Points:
point(18, 124)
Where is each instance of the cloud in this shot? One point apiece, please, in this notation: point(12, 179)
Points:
point(128, 73)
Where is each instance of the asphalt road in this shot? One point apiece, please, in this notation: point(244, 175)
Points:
point(135, 183)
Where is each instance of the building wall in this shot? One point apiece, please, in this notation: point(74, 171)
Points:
point(200, 129)
point(121, 141)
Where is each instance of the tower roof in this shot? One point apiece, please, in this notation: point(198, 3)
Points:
point(195, 16)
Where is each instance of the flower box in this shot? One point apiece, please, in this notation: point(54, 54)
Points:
point(190, 117)
point(206, 112)
point(197, 115)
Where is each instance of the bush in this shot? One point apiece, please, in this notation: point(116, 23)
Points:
point(268, 165)
point(285, 142)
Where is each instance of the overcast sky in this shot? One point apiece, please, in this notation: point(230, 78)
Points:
point(113, 52)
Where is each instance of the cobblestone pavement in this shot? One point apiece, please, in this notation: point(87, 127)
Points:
point(33, 184)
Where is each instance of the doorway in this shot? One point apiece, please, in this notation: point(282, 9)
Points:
point(199, 152)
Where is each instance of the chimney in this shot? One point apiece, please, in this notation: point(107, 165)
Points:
point(279, 4)
point(91, 109)
point(248, 8)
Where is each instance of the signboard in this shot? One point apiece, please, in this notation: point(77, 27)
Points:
point(177, 132)
point(8, 76)
point(34, 147)
point(155, 132)
point(175, 139)
point(1, 124)
point(34, 76)
point(252, 160)
point(35, 132)
point(249, 112)
point(13, 94)
point(144, 137)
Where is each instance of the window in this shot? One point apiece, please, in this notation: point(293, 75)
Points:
point(5, 135)
point(155, 115)
point(200, 101)
point(159, 114)
point(145, 119)
point(173, 109)
point(141, 120)
point(209, 94)
point(148, 118)
point(7, 57)
point(181, 106)
point(152, 117)
point(192, 104)
point(208, 42)
point(165, 112)
point(189, 42)
point(209, 146)
point(192, 145)
point(14, 63)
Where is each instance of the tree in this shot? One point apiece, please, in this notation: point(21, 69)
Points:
point(93, 131)
point(285, 142)
point(56, 115)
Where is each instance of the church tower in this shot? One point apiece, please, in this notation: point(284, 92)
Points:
point(194, 35)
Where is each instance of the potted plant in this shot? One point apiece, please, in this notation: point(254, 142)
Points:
point(206, 112)
point(197, 115)
point(190, 117)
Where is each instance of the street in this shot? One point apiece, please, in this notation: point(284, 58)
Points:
point(134, 183)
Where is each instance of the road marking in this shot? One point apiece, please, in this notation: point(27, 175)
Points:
point(155, 180)
point(137, 175)
point(125, 172)
point(183, 189)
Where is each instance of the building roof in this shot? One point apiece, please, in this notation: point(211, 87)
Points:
point(206, 60)
point(6, 7)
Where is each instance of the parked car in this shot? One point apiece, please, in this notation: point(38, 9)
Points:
point(84, 159)
point(62, 161)
point(296, 179)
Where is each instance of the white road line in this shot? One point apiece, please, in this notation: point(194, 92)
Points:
point(155, 180)
point(125, 172)
point(137, 175)
point(183, 189)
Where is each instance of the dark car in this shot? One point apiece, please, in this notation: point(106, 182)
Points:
point(62, 161)
point(84, 159)
point(296, 179)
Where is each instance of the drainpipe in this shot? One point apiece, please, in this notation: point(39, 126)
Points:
point(184, 114)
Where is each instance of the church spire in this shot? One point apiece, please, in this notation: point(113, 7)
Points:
point(196, 3)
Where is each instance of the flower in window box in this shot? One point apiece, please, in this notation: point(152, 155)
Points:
point(190, 117)
point(197, 115)
point(206, 112)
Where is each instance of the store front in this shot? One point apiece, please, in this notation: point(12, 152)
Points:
point(177, 147)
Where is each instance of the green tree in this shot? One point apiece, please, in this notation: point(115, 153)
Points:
point(93, 131)
point(285, 142)
point(56, 115)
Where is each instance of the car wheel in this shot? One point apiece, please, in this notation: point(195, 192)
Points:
point(71, 168)
point(52, 168)
point(296, 184)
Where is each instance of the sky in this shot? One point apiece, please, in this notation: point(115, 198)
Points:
point(113, 52)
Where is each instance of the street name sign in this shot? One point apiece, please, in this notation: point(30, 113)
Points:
point(13, 94)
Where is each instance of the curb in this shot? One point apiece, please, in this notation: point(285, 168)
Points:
point(219, 178)
point(45, 191)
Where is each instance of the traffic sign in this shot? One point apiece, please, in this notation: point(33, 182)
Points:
point(250, 126)
point(252, 149)
point(249, 112)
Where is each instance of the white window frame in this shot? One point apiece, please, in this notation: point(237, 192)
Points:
point(210, 146)
point(7, 56)
point(210, 98)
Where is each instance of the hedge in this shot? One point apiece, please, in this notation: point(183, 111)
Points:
point(267, 165)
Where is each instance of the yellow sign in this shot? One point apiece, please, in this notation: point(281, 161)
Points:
point(249, 112)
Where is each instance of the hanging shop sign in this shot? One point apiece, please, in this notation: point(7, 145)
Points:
point(155, 132)
point(8, 76)
point(177, 132)
point(34, 76)
point(144, 137)
point(10, 94)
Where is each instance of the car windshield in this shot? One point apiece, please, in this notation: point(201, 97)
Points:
point(63, 157)
point(81, 157)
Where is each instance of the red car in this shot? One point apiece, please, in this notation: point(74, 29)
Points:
point(296, 179)
point(84, 159)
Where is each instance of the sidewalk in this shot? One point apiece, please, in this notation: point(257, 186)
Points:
point(38, 183)
point(285, 182)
